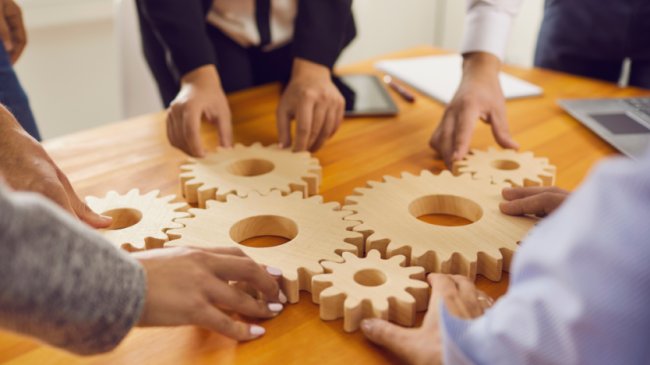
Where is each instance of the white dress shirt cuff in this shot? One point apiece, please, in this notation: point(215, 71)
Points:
point(486, 30)
point(452, 330)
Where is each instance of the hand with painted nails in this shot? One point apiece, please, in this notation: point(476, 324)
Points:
point(12, 29)
point(190, 286)
point(201, 97)
point(479, 96)
point(422, 345)
point(539, 201)
point(312, 99)
point(26, 166)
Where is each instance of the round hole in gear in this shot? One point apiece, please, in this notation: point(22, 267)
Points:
point(123, 218)
point(445, 210)
point(264, 231)
point(505, 164)
point(250, 167)
point(370, 277)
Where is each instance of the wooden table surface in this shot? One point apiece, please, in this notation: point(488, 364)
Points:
point(135, 154)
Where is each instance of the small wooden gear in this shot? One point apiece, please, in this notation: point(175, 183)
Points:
point(246, 169)
point(388, 213)
point(316, 231)
point(139, 221)
point(370, 287)
point(519, 169)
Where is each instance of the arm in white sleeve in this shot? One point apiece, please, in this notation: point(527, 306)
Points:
point(487, 26)
point(580, 283)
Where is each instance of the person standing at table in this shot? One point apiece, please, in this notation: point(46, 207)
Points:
point(14, 39)
point(585, 37)
point(199, 50)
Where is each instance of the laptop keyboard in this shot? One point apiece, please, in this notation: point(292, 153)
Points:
point(640, 104)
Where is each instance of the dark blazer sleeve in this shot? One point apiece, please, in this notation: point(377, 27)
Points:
point(322, 29)
point(180, 27)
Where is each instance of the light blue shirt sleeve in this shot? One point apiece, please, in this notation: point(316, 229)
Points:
point(580, 283)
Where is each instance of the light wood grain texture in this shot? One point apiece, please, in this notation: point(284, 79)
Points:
point(136, 153)
point(389, 210)
point(519, 169)
point(316, 232)
point(370, 287)
point(245, 169)
point(139, 221)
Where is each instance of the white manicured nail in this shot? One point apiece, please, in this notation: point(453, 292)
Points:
point(283, 298)
point(257, 331)
point(273, 271)
point(275, 307)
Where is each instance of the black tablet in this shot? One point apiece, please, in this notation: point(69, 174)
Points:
point(365, 95)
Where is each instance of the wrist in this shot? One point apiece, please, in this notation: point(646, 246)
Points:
point(307, 69)
point(481, 64)
point(204, 75)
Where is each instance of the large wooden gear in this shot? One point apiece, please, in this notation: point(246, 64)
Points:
point(242, 170)
point(370, 287)
point(139, 221)
point(519, 169)
point(388, 214)
point(316, 231)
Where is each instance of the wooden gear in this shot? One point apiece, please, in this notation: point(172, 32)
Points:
point(370, 287)
point(519, 169)
point(245, 169)
point(388, 214)
point(317, 232)
point(139, 221)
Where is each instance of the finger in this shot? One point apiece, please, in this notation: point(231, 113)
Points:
point(18, 33)
point(57, 194)
point(441, 140)
point(5, 34)
point(468, 297)
point(327, 129)
point(283, 122)
point(501, 130)
point(303, 125)
point(83, 212)
point(523, 192)
point(235, 251)
point(340, 115)
point(442, 287)
point(541, 204)
point(397, 339)
point(229, 297)
point(223, 121)
point(318, 123)
point(463, 131)
point(174, 130)
point(191, 124)
point(277, 275)
point(232, 268)
point(211, 318)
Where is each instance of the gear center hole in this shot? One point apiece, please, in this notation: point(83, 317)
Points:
point(123, 218)
point(505, 164)
point(250, 167)
point(264, 231)
point(370, 277)
point(445, 210)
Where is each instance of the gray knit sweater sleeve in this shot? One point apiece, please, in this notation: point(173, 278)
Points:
point(60, 281)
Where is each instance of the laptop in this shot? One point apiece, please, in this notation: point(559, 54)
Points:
point(624, 123)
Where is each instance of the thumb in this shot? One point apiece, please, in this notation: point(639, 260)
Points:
point(397, 339)
point(83, 212)
point(5, 34)
point(283, 121)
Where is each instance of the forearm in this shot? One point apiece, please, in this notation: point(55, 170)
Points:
point(60, 281)
point(487, 26)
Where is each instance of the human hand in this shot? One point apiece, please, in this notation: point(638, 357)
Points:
point(27, 167)
point(12, 29)
point(201, 96)
point(422, 345)
point(186, 285)
point(479, 96)
point(537, 200)
point(315, 102)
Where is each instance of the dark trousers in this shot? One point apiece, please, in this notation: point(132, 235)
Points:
point(13, 96)
point(592, 38)
point(239, 68)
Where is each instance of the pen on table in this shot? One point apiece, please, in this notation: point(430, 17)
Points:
point(400, 89)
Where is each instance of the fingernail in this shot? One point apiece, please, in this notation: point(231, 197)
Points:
point(8, 46)
point(275, 307)
point(283, 298)
point(274, 271)
point(280, 146)
point(257, 331)
point(366, 325)
point(106, 218)
point(455, 155)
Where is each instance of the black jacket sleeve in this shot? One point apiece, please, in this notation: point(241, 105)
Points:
point(180, 27)
point(322, 29)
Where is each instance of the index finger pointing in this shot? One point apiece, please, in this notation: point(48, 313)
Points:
point(303, 125)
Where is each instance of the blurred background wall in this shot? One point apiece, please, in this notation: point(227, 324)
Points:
point(77, 75)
